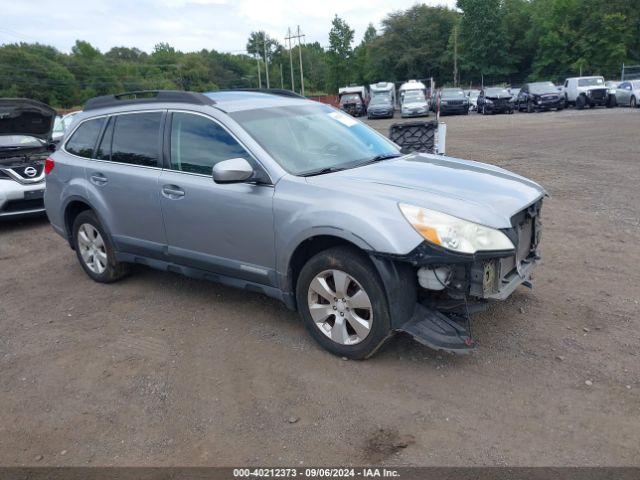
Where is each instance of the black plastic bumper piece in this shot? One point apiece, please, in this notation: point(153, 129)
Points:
point(437, 331)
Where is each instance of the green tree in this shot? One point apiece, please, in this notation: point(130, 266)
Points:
point(414, 44)
point(340, 53)
point(362, 57)
point(483, 37)
point(258, 41)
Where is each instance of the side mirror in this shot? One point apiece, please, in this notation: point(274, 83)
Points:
point(235, 170)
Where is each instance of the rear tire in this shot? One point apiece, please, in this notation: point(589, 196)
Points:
point(633, 103)
point(350, 311)
point(95, 251)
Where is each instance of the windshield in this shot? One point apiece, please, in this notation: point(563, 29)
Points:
point(452, 93)
point(590, 82)
point(497, 92)
point(22, 141)
point(542, 87)
point(58, 125)
point(305, 139)
point(414, 96)
point(350, 97)
point(380, 99)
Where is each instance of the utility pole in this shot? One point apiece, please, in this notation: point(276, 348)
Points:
point(300, 52)
point(266, 59)
point(259, 76)
point(455, 56)
point(289, 38)
point(281, 78)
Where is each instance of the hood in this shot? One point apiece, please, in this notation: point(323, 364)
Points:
point(21, 116)
point(593, 87)
point(546, 94)
point(381, 106)
point(473, 191)
point(420, 104)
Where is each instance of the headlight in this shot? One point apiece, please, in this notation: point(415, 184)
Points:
point(454, 233)
point(588, 93)
point(443, 102)
point(612, 90)
point(488, 101)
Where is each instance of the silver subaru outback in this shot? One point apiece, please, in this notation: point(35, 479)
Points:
point(272, 193)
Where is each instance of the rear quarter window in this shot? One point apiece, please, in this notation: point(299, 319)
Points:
point(84, 139)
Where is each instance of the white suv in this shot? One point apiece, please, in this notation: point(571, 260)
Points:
point(588, 91)
point(25, 143)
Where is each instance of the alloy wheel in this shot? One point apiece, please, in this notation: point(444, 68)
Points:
point(340, 307)
point(92, 248)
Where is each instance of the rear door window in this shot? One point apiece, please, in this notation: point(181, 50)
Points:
point(137, 139)
point(84, 139)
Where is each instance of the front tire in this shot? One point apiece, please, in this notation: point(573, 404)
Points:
point(95, 251)
point(580, 102)
point(343, 303)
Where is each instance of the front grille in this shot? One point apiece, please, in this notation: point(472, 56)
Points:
point(22, 171)
point(599, 94)
point(23, 205)
point(455, 102)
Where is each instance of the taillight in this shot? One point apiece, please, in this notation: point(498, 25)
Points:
point(48, 166)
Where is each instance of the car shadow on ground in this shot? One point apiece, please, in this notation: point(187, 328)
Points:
point(25, 223)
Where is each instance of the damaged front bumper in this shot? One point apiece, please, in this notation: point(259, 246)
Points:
point(452, 286)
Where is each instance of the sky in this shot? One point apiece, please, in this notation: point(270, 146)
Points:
point(187, 25)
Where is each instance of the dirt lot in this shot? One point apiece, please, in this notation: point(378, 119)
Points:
point(160, 369)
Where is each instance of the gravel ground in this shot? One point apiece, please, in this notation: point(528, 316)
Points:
point(164, 370)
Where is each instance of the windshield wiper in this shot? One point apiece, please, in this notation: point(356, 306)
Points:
point(378, 158)
point(322, 171)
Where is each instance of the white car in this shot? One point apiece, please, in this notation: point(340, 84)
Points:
point(588, 92)
point(23, 150)
point(61, 125)
point(473, 99)
point(628, 93)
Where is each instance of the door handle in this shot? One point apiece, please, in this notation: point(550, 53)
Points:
point(172, 191)
point(98, 179)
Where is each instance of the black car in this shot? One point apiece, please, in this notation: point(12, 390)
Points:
point(353, 104)
point(495, 100)
point(539, 96)
point(453, 101)
point(380, 106)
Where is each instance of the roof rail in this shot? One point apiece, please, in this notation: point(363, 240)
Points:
point(270, 91)
point(147, 96)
